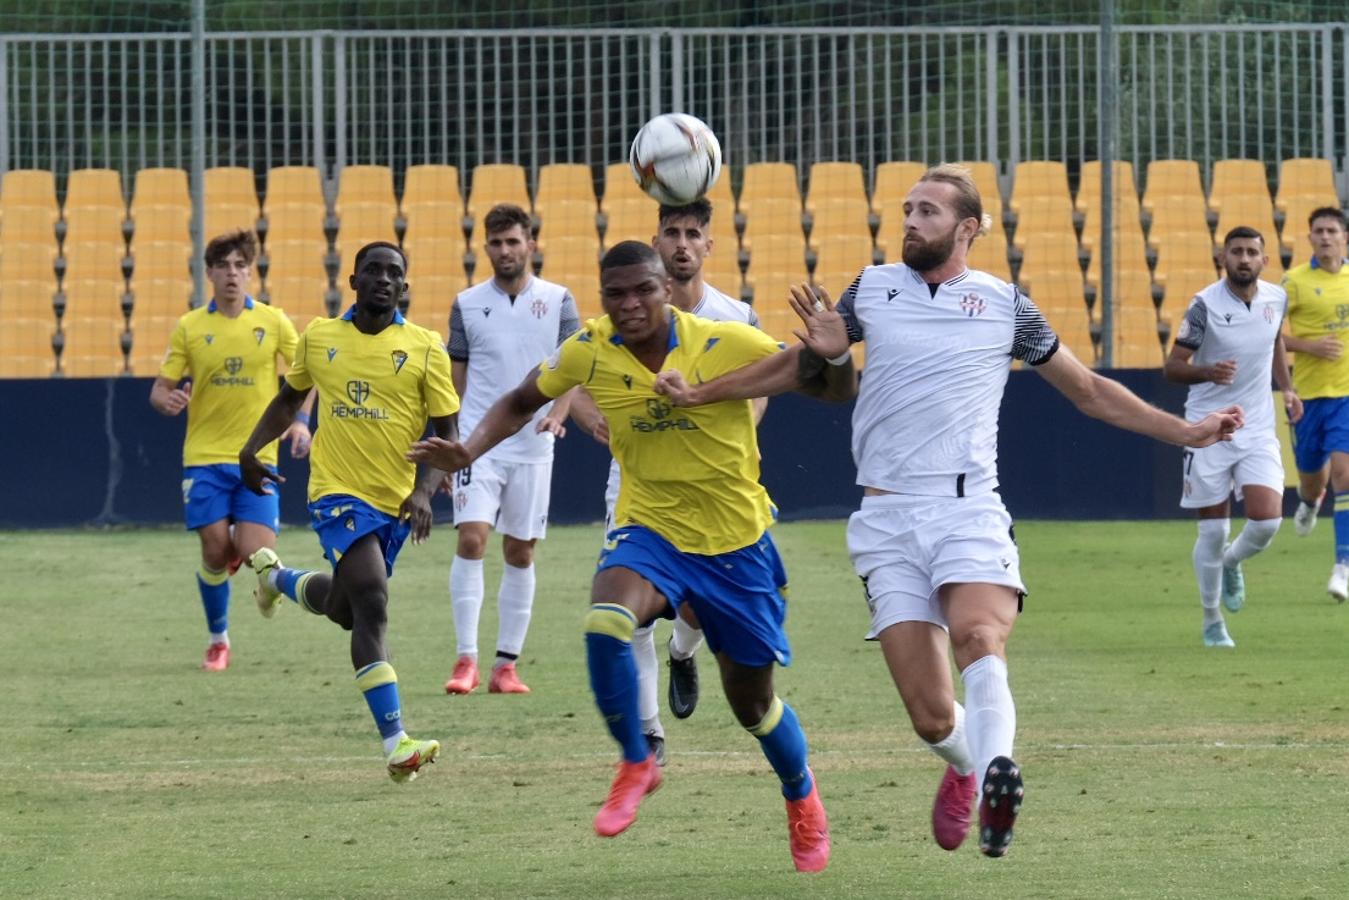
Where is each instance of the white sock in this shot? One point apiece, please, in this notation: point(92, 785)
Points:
point(515, 604)
point(954, 748)
point(222, 637)
point(648, 682)
point(391, 742)
point(990, 714)
point(466, 601)
point(1256, 535)
point(1208, 561)
point(686, 639)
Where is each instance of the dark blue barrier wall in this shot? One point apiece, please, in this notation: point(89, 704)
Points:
point(93, 451)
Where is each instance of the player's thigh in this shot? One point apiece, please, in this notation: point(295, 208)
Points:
point(216, 546)
point(250, 536)
point(1206, 475)
point(629, 589)
point(477, 493)
point(981, 616)
point(1259, 478)
point(1339, 471)
point(361, 575)
point(523, 509)
point(915, 653)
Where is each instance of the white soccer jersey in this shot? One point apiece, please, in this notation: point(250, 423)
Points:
point(926, 419)
point(716, 306)
point(502, 338)
point(1219, 325)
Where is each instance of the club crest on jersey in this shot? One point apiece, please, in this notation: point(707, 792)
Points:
point(539, 307)
point(332, 351)
point(399, 357)
point(358, 391)
point(210, 338)
point(233, 364)
point(259, 334)
point(1269, 313)
point(973, 305)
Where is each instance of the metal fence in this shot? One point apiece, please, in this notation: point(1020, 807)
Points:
point(798, 95)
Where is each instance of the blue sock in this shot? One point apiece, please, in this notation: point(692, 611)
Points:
point(291, 583)
point(1342, 528)
point(613, 676)
point(784, 743)
point(379, 683)
point(214, 588)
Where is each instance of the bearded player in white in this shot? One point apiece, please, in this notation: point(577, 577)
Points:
point(683, 241)
point(1227, 347)
point(932, 541)
point(499, 331)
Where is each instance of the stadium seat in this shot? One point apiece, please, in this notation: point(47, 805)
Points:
point(1254, 211)
point(150, 336)
point(21, 261)
point(366, 185)
point(1179, 218)
point(839, 259)
point(1169, 178)
point(157, 297)
point(1035, 179)
point(769, 200)
point(296, 259)
point(300, 297)
point(1182, 283)
point(430, 301)
point(1047, 253)
point(438, 221)
point(86, 188)
point(161, 223)
point(293, 186)
point(29, 299)
point(985, 176)
point(1305, 185)
point(776, 261)
point(570, 252)
point(494, 183)
point(1179, 256)
point(295, 222)
point(161, 259)
point(621, 188)
point(230, 186)
point(29, 188)
point(28, 225)
point(1137, 342)
point(568, 217)
point(831, 182)
point(1063, 303)
point(565, 197)
point(366, 222)
point(1125, 209)
point(1129, 257)
point(721, 268)
point(26, 348)
point(160, 187)
point(632, 220)
point(989, 253)
point(840, 217)
point(772, 216)
point(435, 257)
point(1237, 178)
point(93, 347)
point(723, 203)
point(431, 184)
point(1041, 214)
point(1089, 184)
point(1297, 212)
point(225, 218)
point(93, 299)
point(94, 261)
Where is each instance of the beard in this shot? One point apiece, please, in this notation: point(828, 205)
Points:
point(1241, 279)
point(924, 256)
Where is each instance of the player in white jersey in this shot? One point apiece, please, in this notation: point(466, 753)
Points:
point(500, 330)
point(683, 241)
point(1226, 349)
point(932, 541)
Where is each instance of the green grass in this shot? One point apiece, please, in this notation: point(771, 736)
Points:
point(1154, 767)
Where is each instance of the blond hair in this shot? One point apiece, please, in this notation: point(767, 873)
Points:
point(968, 205)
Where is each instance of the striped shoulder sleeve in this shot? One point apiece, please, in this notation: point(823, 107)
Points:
point(1033, 340)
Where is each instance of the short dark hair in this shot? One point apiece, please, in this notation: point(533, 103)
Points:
point(375, 245)
point(699, 210)
point(505, 216)
point(1328, 212)
point(223, 245)
point(630, 253)
point(1242, 232)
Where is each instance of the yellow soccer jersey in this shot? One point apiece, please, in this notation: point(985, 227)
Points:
point(691, 475)
point(376, 392)
point(232, 363)
point(1318, 305)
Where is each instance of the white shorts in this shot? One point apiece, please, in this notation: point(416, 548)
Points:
point(512, 497)
point(905, 547)
point(611, 496)
point(1210, 474)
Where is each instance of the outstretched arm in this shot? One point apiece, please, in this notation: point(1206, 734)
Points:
point(1113, 403)
point(505, 417)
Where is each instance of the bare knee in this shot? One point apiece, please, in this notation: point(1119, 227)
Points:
point(472, 541)
point(977, 641)
point(517, 553)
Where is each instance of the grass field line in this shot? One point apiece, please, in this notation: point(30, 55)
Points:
point(1024, 750)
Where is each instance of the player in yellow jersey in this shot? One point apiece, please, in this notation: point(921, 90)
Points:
point(379, 378)
point(228, 349)
point(691, 526)
point(1318, 314)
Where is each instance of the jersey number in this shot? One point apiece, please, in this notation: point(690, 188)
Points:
point(1188, 456)
point(463, 477)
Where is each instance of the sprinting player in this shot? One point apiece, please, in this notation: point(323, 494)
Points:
point(228, 348)
point(1318, 296)
point(1227, 347)
point(380, 378)
point(932, 542)
point(499, 330)
point(693, 526)
point(684, 242)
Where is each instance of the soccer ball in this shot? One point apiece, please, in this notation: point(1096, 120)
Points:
point(675, 158)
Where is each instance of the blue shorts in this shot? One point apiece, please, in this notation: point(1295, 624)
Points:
point(739, 597)
point(340, 520)
point(1323, 429)
point(212, 493)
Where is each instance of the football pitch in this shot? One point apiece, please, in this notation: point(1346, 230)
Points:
point(1154, 767)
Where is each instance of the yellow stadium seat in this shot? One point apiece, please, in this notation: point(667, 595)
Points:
point(1180, 217)
point(295, 222)
point(1061, 300)
point(1129, 253)
point(150, 335)
point(30, 188)
point(564, 182)
point(296, 259)
point(26, 348)
point(723, 201)
point(721, 268)
point(26, 298)
point(1041, 214)
point(637, 220)
point(621, 188)
point(430, 301)
point(1306, 178)
point(840, 217)
point(1039, 178)
point(1057, 294)
point(773, 216)
point(366, 185)
point(293, 186)
point(568, 217)
point(1137, 342)
point(894, 180)
point(570, 253)
point(834, 181)
point(493, 184)
point(161, 223)
point(985, 175)
point(1254, 211)
point(431, 184)
point(1297, 210)
point(27, 262)
point(1126, 221)
point(93, 261)
point(94, 187)
point(989, 253)
point(1171, 178)
point(225, 218)
point(1192, 255)
point(161, 259)
point(439, 257)
point(93, 299)
point(28, 225)
point(1183, 282)
point(160, 187)
point(1089, 185)
point(439, 221)
point(93, 346)
point(365, 223)
point(299, 296)
point(773, 183)
point(1236, 178)
point(94, 224)
point(155, 297)
point(776, 261)
point(230, 186)
point(839, 260)
point(1047, 253)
